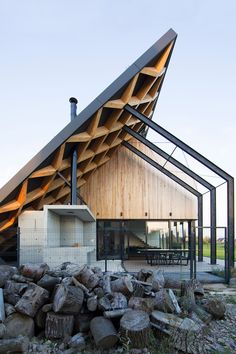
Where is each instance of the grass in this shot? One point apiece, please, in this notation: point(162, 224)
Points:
point(220, 251)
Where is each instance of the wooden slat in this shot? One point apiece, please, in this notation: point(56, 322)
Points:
point(126, 96)
point(94, 123)
point(46, 171)
point(162, 60)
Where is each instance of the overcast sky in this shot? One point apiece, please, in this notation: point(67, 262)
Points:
point(54, 49)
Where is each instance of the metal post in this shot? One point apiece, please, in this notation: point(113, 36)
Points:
point(200, 230)
point(190, 240)
point(230, 221)
point(227, 265)
point(213, 225)
point(74, 156)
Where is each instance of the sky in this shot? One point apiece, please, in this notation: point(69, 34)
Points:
point(54, 49)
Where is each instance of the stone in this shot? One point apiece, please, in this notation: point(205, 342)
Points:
point(77, 341)
point(18, 324)
point(215, 307)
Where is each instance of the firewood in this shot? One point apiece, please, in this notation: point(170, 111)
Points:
point(122, 285)
point(68, 300)
point(172, 283)
point(58, 326)
point(21, 279)
point(82, 322)
point(2, 308)
point(40, 319)
point(81, 286)
point(144, 274)
point(19, 344)
point(187, 293)
point(158, 280)
point(135, 325)
point(34, 271)
point(13, 291)
point(143, 304)
point(9, 309)
point(112, 301)
point(114, 313)
point(164, 302)
point(103, 332)
point(48, 282)
point(202, 313)
point(92, 303)
point(31, 301)
point(139, 289)
point(47, 307)
point(6, 273)
point(87, 277)
point(107, 284)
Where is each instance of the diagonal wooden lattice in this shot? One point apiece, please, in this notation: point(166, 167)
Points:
point(95, 144)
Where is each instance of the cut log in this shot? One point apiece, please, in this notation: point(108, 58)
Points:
point(2, 330)
point(112, 302)
point(21, 279)
point(164, 302)
point(188, 298)
point(135, 325)
point(58, 326)
point(34, 271)
point(202, 314)
point(18, 324)
point(99, 292)
point(144, 274)
point(9, 309)
point(215, 307)
point(104, 332)
point(81, 286)
point(13, 345)
point(31, 301)
point(48, 282)
point(172, 283)
point(123, 285)
point(2, 308)
point(40, 319)
point(92, 303)
point(82, 322)
point(158, 280)
point(107, 284)
point(139, 289)
point(13, 291)
point(68, 300)
point(114, 313)
point(6, 273)
point(98, 271)
point(143, 304)
point(46, 308)
point(87, 277)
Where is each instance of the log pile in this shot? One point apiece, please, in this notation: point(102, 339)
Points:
point(73, 303)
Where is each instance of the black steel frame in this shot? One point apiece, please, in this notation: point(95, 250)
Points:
point(197, 178)
point(217, 170)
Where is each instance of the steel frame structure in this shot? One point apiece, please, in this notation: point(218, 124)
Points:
point(217, 170)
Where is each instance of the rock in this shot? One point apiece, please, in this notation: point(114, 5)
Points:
point(6, 273)
point(18, 324)
point(77, 341)
point(215, 307)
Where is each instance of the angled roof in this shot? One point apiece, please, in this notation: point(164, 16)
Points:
point(97, 132)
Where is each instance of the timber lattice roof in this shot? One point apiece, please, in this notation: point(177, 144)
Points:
point(96, 131)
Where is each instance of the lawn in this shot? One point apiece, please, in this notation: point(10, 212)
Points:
point(220, 251)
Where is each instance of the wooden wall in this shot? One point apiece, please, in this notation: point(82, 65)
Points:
point(127, 187)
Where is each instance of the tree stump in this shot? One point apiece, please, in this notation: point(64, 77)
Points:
point(58, 326)
point(122, 285)
point(103, 332)
point(135, 325)
point(31, 301)
point(68, 300)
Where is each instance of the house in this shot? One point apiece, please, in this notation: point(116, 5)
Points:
point(102, 174)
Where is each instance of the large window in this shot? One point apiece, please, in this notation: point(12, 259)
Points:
point(118, 239)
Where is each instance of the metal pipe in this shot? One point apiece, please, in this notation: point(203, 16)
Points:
point(213, 225)
point(200, 230)
point(74, 155)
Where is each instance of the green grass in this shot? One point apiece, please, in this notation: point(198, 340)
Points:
point(220, 252)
